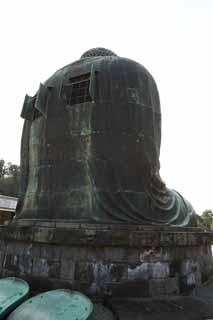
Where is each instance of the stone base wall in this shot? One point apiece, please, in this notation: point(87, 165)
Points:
point(107, 260)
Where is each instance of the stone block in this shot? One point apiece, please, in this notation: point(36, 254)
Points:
point(154, 255)
point(2, 256)
point(54, 269)
point(84, 272)
point(67, 269)
point(144, 239)
point(148, 270)
point(166, 239)
point(11, 263)
point(158, 287)
point(74, 253)
point(50, 252)
point(40, 267)
point(190, 273)
point(15, 248)
point(180, 238)
point(118, 272)
point(44, 235)
point(132, 256)
point(101, 273)
point(2, 245)
point(172, 286)
point(192, 239)
point(94, 254)
point(25, 263)
point(17, 233)
point(103, 259)
point(115, 254)
point(90, 232)
point(36, 250)
point(47, 224)
point(67, 225)
point(160, 270)
point(142, 271)
point(130, 289)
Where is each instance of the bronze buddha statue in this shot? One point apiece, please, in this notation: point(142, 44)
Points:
point(91, 145)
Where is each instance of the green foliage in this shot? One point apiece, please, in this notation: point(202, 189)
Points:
point(207, 219)
point(9, 178)
point(2, 168)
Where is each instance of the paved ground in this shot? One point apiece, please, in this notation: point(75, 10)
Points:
point(165, 308)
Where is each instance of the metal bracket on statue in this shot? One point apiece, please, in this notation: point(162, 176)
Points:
point(41, 103)
point(28, 107)
point(92, 84)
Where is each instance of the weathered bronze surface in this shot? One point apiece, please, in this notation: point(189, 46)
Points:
point(91, 145)
point(13, 291)
point(54, 305)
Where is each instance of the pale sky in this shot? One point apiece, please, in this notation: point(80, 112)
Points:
point(173, 39)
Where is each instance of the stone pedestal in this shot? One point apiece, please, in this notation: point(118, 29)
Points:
point(107, 260)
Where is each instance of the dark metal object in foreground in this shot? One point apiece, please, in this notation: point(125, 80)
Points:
point(91, 145)
point(13, 292)
point(54, 305)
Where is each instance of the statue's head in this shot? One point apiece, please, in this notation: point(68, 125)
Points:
point(126, 115)
point(94, 125)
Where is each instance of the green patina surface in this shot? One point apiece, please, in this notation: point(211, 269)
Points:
point(54, 305)
point(13, 291)
point(91, 146)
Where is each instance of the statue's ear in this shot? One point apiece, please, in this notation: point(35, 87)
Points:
point(28, 107)
point(41, 103)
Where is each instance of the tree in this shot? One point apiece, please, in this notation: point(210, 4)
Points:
point(2, 168)
point(9, 178)
point(207, 218)
point(13, 170)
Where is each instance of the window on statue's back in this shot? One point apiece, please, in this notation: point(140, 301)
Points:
point(76, 91)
